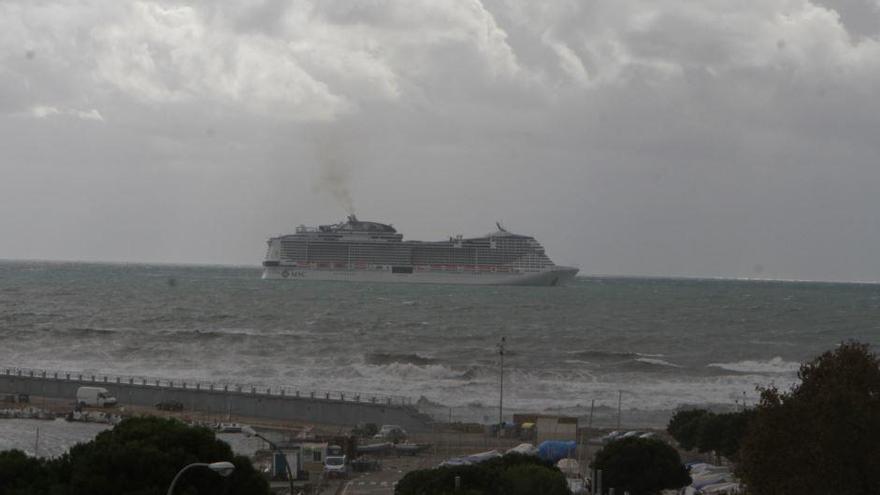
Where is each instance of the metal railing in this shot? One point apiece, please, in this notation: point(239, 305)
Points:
point(241, 388)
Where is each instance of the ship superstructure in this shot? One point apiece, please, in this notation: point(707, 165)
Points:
point(372, 251)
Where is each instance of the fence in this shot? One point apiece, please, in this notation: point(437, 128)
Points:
point(248, 401)
point(255, 389)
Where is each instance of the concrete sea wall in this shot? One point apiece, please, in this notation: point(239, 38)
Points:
point(279, 404)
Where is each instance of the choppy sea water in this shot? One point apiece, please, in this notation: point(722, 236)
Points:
point(45, 438)
point(654, 343)
point(55, 437)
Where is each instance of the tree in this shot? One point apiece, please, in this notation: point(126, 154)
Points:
point(512, 474)
point(22, 475)
point(710, 432)
point(685, 427)
point(823, 436)
point(140, 456)
point(529, 479)
point(730, 432)
point(641, 466)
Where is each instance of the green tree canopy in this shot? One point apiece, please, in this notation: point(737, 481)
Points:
point(512, 474)
point(139, 456)
point(822, 436)
point(685, 427)
point(710, 432)
point(22, 475)
point(641, 466)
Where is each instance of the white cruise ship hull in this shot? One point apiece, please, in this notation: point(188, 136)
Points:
point(556, 276)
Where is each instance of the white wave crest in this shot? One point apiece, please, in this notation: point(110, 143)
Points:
point(657, 362)
point(408, 371)
point(775, 365)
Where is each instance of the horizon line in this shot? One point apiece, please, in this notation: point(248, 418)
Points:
point(718, 278)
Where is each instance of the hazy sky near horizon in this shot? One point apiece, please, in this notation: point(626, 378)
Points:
point(681, 138)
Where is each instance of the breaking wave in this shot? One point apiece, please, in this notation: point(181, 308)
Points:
point(610, 355)
point(775, 365)
point(409, 372)
point(657, 362)
point(382, 358)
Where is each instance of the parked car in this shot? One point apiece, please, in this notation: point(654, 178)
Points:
point(169, 405)
point(392, 433)
point(610, 437)
point(365, 429)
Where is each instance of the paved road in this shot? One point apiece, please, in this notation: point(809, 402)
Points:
point(368, 487)
point(378, 483)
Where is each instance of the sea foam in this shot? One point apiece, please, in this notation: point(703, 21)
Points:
point(657, 362)
point(775, 365)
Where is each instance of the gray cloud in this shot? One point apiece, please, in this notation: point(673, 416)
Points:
point(631, 137)
point(859, 17)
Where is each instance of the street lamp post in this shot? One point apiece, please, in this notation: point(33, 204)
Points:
point(619, 398)
point(223, 468)
point(250, 432)
point(501, 389)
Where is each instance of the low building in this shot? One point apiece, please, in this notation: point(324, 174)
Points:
point(549, 427)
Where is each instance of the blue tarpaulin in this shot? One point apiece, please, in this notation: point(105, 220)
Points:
point(554, 450)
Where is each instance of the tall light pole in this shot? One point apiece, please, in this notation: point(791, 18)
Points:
point(250, 432)
point(619, 398)
point(501, 388)
point(223, 468)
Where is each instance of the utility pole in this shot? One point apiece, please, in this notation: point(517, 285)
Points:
point(592, 406)
point(586, 448)
point(501, 388)
point(619, 396)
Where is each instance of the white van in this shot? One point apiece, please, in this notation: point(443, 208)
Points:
point(336, 466)
point(94, 397)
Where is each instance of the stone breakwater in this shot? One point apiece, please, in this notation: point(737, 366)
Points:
point(234, 400)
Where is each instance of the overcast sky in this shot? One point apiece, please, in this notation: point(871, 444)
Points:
point(683, 138)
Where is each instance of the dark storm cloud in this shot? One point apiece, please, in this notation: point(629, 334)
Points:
point(661, 138)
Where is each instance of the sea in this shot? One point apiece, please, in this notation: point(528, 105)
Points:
point(627, 351)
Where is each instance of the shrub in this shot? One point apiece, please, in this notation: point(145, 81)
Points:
point(22, 475)
point(641, 466)
point(512, 474)
point(685, 427)
point(710, 432)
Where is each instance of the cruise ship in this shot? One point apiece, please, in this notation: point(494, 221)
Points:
point(355, 250)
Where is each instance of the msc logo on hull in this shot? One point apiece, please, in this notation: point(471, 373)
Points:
point(293, 274)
